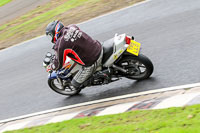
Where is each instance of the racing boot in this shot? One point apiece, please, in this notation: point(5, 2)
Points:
point(105, 75)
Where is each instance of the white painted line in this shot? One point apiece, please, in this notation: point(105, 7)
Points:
point(105, 100)
point(137, 4)
point(120, 108)
point(15, 126)
point(60, 118)
point(176, 101)
point(16, 45)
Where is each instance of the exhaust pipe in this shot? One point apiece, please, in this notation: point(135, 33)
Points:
point(119, 68)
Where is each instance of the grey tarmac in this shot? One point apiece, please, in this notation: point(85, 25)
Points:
point(168, 31)
point(17, 8)
point(162, 99)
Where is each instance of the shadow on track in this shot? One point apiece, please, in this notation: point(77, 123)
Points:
point(112, 90)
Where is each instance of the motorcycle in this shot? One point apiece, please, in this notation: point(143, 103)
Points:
point(121, 58)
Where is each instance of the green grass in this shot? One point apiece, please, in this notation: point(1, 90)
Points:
point(3, 2)
point(171, 120)
point(35, 22)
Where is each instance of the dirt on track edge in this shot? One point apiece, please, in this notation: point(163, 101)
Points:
point(73, 16)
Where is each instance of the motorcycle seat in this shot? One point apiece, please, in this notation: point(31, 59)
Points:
point(107, 49)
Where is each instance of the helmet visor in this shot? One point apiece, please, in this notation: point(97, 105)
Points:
point(50, 37)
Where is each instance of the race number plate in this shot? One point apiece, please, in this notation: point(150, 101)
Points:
point(134, 48)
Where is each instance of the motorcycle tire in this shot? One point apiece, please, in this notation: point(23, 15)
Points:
point(54, 87)
point(133, 64)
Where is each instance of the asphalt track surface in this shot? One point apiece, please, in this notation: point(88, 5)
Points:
point(17, 8)
point(169, 32)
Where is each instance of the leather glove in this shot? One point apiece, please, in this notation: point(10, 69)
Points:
point(49, 68)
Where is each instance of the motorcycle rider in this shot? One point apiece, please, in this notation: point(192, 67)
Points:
point(72, 42)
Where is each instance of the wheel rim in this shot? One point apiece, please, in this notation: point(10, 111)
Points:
point(67, 90)
point(135, 68)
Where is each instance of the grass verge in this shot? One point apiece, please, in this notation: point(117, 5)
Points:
point(3, 2)
point(33, 23)
point(171, 120)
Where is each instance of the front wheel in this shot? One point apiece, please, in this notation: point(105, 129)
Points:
point(137, 67)
point(56, 86)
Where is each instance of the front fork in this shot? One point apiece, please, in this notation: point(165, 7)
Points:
point(60, 82)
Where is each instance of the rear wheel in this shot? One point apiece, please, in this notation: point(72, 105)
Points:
point(137, 67)
point(55, 85)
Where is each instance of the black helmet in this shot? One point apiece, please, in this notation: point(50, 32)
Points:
point(53, 30)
